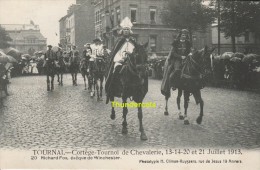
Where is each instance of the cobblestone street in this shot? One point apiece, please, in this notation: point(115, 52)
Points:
point(69, 118)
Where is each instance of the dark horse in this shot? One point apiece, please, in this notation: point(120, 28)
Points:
point(84, 69)
point(97, 74)
point(50, 70)
point(194, 70)
point(134, 80)
point(61, 69)
point(3, 79)
point(74, 69)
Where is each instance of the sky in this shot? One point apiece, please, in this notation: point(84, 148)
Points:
point(45, 13)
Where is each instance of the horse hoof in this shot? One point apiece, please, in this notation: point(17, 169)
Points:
point(124, 130)
point(113, 116)
point(166, 113)
point(186, 122)
point(143, 136)
point(199, 120)
point(181, 117)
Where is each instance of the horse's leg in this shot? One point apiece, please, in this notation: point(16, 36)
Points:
point(58, 79)
point(201, 102)
point(166, 113)
point(76, 78)
point(94, 85)
point(113, 113)
point(48, 83)
point(141, 128)
point(97, 88)
point(5, 89)
point(101, 85)
point(125, 110)
point(72, 79)
point(89, 83)
point(84, 78)
point(186, 102)
point(181, 117)
point(61, 78)
point(52, 80)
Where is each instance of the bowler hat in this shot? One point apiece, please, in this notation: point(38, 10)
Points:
point(49, 46)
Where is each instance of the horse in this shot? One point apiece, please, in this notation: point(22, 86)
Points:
point(50, 70)
point(192, 80)
point(74, 69)
point(3, 79)
point(61, 69)
point(84, 69)
point(97, 75)
point(134, 82)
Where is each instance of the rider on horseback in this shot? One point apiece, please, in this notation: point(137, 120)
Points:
point(122, 49)
point(181, 48)
point(96, 51)
point(49, 56)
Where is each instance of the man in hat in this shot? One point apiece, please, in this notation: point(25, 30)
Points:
point(86, 55)
point(181, 48)
point(97, 48)
point(124, 46)
point(49, 56)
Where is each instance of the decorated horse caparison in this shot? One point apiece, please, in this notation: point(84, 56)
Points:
point(192, 81)
point(133, 82)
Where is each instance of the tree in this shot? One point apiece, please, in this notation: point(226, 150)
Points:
point(190, 14)
point(239, 17)
point(4, 38)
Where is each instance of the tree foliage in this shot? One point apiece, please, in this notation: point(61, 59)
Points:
point(4, 38)
point(237, 17)
point(189, 14)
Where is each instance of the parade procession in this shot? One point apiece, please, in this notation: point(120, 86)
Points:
point(130, 74)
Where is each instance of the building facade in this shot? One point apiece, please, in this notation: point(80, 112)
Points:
point(147, 24)
point(26, 38)
point(77, 27)
point(247, 43)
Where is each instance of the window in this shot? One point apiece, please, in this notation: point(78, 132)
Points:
point(112, 19)
point(247, 36)
point(31, 40)
point(118, 17)
point(133, 14)
point(152, 14)
point(153, 43)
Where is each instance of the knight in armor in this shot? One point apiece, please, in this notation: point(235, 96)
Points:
point(124, 46)
point(181, 49)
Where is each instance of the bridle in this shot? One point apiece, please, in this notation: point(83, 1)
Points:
point(133, 67)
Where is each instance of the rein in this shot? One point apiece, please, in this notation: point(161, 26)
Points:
point(132, 68)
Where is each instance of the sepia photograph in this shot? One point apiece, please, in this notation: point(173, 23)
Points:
point(130, 84)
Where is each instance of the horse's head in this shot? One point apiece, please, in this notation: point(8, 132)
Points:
point(202, 57)
point(138, 60)
point(100, 64)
